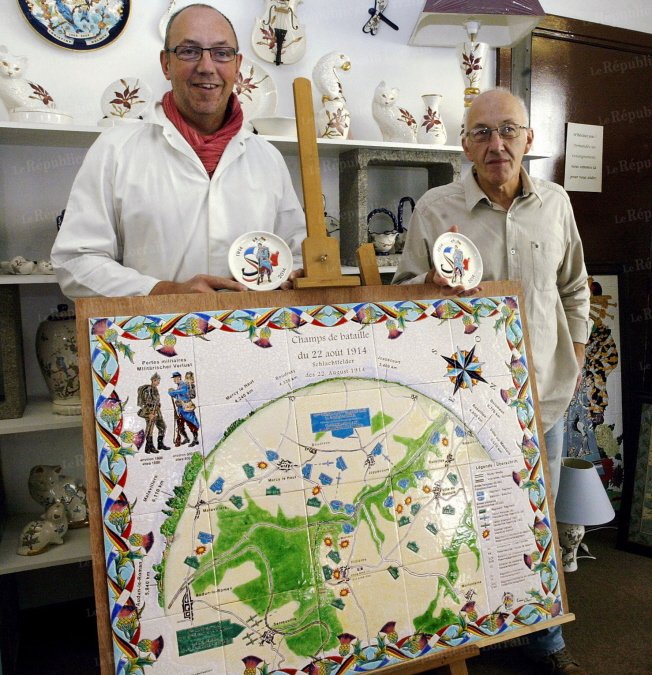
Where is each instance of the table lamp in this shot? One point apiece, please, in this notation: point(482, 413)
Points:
point(499, 23)
point(581, 500)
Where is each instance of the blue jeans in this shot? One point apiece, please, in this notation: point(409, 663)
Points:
point(550, 640)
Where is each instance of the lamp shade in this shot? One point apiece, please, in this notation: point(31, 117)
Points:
point(581, 498)
point(503, 23)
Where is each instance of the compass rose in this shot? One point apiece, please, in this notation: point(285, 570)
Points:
point(464, 369)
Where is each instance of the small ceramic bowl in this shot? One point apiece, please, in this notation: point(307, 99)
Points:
point(275, 126)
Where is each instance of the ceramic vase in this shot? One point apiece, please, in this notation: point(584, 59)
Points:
point(56, 351)
point(472, 58)
point(431, 129)
point(333, 120)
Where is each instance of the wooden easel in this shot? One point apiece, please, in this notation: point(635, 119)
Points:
point(321, 253)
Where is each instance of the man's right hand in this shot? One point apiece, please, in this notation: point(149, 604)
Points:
point(201, 283)
point(445, 289)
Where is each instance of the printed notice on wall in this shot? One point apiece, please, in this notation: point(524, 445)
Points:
point(583, 171)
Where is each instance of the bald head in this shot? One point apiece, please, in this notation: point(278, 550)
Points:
point(197, 4)
point(492, 97)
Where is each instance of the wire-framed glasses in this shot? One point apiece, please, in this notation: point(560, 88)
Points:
point(193, 53)
point(483, 134)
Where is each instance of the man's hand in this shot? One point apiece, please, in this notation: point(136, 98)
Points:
point(201, 283)
point(447, 291)
point(580, 350)
point(288, 285)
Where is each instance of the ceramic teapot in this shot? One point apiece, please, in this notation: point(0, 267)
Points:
point(383, 240)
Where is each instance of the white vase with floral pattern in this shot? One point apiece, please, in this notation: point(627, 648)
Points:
point(473, 61)
point(333, 120)
point(56, 351)
point(431, 128)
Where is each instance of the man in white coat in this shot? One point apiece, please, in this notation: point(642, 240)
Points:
point(156, 205)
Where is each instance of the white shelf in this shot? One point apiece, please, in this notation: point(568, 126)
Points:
point(38, 416)
point(52, 135)
point(15, 279)
point(76, 547)
point(16, 133)
point(331, 147)
point(62, 135)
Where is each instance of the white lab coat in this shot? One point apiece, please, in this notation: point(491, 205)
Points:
point(143, 209)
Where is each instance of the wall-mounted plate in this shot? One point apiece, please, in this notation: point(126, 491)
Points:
point(77, 24)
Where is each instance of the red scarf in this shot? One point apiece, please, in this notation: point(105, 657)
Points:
point(209, 148)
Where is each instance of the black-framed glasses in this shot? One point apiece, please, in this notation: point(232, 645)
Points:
point(192, 53)
point(483, 134)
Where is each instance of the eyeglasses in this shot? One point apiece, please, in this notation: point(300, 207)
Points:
point(192, 53)
point(483, 134)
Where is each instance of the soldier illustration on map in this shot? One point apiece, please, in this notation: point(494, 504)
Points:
point(149, 402)
point(184, 409)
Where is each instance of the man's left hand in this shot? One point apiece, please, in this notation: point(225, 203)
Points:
point(295, 274)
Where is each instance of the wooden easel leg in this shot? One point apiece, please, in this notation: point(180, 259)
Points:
point(369, 272)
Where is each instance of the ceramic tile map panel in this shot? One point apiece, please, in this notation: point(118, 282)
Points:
point(320, 489)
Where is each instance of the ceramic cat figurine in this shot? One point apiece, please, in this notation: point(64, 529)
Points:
point(396, 124)
point(15, 90)
point(47, 485)
point(38, 535)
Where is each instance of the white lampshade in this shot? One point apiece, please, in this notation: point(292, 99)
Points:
point(502, 23)
point(581, 498)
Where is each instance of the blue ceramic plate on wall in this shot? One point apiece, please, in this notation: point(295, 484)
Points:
point(77, 24)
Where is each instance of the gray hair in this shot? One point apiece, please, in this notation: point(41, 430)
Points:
point(166, 43)
point(521, 104)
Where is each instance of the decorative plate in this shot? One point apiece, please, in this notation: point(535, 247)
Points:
point(126, 99)
point(262, 261)
point(255, 90)
point(77, 24)
point(457, 259)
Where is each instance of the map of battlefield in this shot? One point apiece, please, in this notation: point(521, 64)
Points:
point(320, 489)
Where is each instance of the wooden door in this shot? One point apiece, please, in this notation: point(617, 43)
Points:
point(577, 71)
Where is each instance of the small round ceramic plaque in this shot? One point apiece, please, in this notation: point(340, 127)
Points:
point(457, 259)
point(126, 99)
point(262, 261)
point(77, 24)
